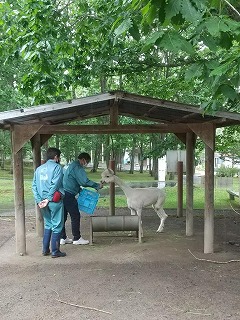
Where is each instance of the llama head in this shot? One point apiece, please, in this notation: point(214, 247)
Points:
point(107, 176)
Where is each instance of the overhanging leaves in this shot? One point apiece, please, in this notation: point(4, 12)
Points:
point(123, 27)
point(189, 12)
point(173, 8)
point(194, 71)
point(228, 91)
point(174, 42)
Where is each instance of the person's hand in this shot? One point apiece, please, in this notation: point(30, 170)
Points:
point(43, 203)
point(100, 185)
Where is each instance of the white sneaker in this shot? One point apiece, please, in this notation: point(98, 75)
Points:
point(66, 241)
point(81, 241)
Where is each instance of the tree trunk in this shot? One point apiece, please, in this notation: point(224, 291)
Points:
point(107, 151)
point(141, 157)
point(97, 153)
point(103, 83)
point(2, 160)
point(57, 142)
point(155, 169)
point(132, 153)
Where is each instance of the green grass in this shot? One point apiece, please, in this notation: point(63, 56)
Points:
point(220, 194)
point(221, 199)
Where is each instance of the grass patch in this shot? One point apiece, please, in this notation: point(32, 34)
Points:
point(221, 199)
point(220, 195)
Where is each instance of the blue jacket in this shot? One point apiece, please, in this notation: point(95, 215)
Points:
point(75, 177)
point(47, 179)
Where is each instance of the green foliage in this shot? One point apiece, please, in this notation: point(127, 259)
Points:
point(50, 39)
point(185, 51)
point(173, 41)
point(228, 143)
point(152, 41)
point(10, 73)
point(227, 172)
point(54, 43)
point(196, 32)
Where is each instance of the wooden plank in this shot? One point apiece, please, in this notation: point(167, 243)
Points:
point(180, 188)
point(108, 97)
point(175, 105)
point(209, 197)
point(107, 129)
point(57, 107)
point(181, 137)
point(114, 114)
point(190, 143)
point(22, 134)
point(205, 131)
point(20, 229)
point(44, 138)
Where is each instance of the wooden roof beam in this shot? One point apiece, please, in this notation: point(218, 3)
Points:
point(107, 129)
point(113, 113)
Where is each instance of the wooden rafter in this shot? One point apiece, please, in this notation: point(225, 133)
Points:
point(22, 134)
point(206, 131)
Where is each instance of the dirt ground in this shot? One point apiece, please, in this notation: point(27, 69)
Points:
point(119, 279)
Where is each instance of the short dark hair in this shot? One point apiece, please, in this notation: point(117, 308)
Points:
point(85, 155)
point(52, 152)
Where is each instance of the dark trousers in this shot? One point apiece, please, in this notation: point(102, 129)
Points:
point(71, 207)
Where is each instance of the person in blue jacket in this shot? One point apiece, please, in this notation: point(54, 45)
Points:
point(48, 193)
point(74, 178)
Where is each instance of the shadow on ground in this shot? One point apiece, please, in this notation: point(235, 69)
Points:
point(118, 278)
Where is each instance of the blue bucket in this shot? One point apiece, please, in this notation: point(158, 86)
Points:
point(87, 201)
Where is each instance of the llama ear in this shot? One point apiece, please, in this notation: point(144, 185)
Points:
point(111, 171)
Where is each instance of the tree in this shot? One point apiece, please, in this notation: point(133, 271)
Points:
point(53, 39)
point(181, 50)
point(228, 143)
point(202, 36)
point(63, 58)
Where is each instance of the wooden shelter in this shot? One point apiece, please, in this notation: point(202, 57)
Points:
point(186, 121)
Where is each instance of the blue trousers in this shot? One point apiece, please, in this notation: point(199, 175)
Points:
point(53, 216)
point(71, 207)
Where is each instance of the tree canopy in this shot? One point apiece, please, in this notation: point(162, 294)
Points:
point(202, 37)
point(68, 45)
point(181, 50)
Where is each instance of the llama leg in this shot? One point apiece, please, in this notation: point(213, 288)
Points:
point(139, 213)
point(133, 213)
point(163, 216)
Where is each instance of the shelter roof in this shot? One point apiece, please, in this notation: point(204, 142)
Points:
point(146, 108)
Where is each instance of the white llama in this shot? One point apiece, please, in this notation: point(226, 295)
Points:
point(138, 198)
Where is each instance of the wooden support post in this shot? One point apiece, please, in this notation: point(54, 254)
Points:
point(209, 200)
point(239, 188)
point(36, 148)
point(20, 135)
point(180, 189)
point(19, 202)
point(112, 190)
point(190, 141)
point(206, 132)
